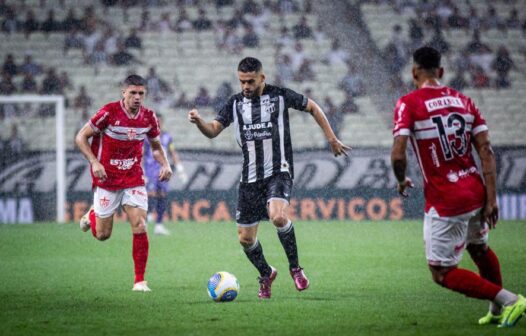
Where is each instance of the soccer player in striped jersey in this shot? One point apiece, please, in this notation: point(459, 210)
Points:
point(118, 131)
point(442, 124)
point(260, 116)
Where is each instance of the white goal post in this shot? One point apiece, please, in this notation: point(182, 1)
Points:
point(59, 138)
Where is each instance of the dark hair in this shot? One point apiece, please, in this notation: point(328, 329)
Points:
point(427, 58)
point(250, 64)
point(134, 80)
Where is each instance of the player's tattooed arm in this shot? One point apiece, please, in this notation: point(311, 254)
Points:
point(399, 164)
point(490, 213)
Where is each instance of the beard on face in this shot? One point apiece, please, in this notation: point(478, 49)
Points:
point(251, 94)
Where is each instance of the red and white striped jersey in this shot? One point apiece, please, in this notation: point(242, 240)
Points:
point(119, 142)
point(440, 123)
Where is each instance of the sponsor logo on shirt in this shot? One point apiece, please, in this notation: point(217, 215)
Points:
point(443, 102)
point(123, 164)
point(257, 126)
point(434, 155)
point(138, 192)
point(454, 177)
point(460, 247)
point(259, 131)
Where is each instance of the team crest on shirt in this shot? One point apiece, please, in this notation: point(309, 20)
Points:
point(104, 202)
point(267, 106)
point(132, 133)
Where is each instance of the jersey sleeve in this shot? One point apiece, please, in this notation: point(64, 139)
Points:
point(403, 120)
point(155, 130)
point(294, 100)
point(226, 115)
point(100, 120)
point(479, 123)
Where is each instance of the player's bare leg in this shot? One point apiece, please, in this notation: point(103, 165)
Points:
point(247, 235)
point(278, 214)
point(101, 228)
point(489, 269)
point(137, 219)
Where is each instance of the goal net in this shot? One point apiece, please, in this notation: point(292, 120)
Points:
point(32, 159)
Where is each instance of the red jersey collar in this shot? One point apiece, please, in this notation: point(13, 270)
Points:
point(127, 113)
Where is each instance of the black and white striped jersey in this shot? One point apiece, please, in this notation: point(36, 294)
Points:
point(262, 130)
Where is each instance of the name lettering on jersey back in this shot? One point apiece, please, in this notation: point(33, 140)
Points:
point(443, 102)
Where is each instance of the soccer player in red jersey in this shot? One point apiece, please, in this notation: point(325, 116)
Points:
point(118, 130)
point(460, 207)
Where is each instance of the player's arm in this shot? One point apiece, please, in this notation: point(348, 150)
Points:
point(159, 155)
point(337, 147)
point(399, 164)
point(490, 213)
point(81, 140)
point(209, 129)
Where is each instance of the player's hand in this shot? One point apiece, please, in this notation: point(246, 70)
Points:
point(182, 177)
point(165, 173)
point(181, 174)
point(193, 116)
point(338, 148)
point(402, 186)
point(490, 214)
point(98, 170)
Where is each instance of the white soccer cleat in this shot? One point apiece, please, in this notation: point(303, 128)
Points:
point(85, 223)
point(141, 286)
point(160, 229)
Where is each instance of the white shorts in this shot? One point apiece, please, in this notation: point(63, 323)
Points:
point(446, 237)
point(106, 202)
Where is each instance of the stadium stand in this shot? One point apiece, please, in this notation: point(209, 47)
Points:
point(188, 59)
point(502, 108)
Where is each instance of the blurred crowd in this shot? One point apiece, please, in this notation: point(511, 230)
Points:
point(101, 43)
point(476, 65)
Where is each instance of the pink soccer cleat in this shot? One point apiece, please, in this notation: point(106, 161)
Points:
point(265, 284)
point(300, 280)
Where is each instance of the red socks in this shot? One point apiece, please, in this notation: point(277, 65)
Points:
point(470, 284)
point(93, 223)
point(489, 267)
point(140, 255)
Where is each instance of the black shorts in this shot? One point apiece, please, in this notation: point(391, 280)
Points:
point(253, 197)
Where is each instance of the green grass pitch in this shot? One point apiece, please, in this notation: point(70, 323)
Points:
point(367, 278)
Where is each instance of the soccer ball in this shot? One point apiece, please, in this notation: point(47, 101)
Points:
point(223, 287)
